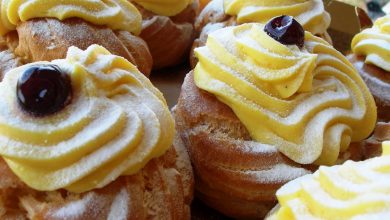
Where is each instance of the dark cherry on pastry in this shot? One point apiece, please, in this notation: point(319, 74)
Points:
point(286, 30)
point(257, 112)
point(43, 89)
point(222, 13)
point(109, 153)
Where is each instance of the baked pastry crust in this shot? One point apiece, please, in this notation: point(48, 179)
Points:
point(46, 39)
point(169, 38)
point(372, 145)
point(8, 59)
point(163, 189)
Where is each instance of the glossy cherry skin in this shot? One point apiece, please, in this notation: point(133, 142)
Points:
point(43, 89)
point(286, 30)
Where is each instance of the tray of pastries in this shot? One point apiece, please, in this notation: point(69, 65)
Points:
point(194, 109)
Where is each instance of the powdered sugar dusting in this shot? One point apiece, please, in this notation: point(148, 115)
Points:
point(118, 15)
point(119, 207)
point(279, 173)
point(301, 98)
point(74, 209)
point(358, 190)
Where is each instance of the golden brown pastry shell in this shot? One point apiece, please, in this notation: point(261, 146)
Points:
point(163, 189)
point(169, 38)
point(234, 174)
point(46, 39)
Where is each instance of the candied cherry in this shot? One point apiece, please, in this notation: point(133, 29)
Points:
point(286, 30)
point(43, 89)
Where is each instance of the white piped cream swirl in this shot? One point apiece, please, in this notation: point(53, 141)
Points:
point(117, 122)
point(310, 103)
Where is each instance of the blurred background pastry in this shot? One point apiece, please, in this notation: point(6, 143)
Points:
point(370, 50)
point(222, 13)
point(89, 137)
point(354, 190)
point(168, 29)
point(8, 59)
point(41, 31)
point(370, 56)
point(263, 107)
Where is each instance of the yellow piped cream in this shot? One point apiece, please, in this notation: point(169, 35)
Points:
point(116, 14)
point(354, 190)
point(386, 148)
point(310, 103)
point(116, 123)
point(309, 13)
point(374, 43)
point(164, 7)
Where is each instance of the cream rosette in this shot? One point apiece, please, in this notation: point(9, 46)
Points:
point(116, 122)
point(354, 190)
point(117, 14)
point(310, 103)
point(309, 13)
point(374, 43)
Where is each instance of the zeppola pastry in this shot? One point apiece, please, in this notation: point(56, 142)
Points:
point(168, 29)
point(263, 107)
point(354, 190)
point(371, 49)
point(39, 30)
point(89, 137)
point(221, 13)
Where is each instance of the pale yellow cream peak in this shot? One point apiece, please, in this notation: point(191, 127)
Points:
point(374, 43)
point(354, 190)
point(164, 7)
point(116, 14)
point(115, 124)
point(310, 103)
point(309, 13)
point(386, 148)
